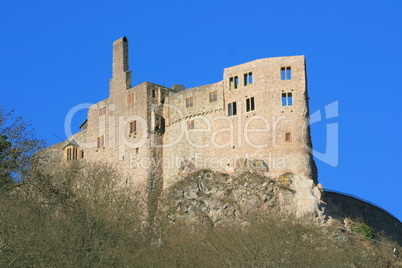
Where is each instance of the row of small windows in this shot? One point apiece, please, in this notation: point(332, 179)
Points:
point(232, 107)
point(213, 96)
point(286, 74)
point(191, 125)
point(287, 100)
point(234, 80)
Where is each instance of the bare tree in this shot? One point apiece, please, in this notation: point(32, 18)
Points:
point(17, 146)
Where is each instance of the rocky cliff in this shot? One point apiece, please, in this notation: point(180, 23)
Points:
point(212, 198)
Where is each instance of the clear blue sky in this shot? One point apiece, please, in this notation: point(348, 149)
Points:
point(57, 54)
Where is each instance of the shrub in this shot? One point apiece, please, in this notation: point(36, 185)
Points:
point(364, 230)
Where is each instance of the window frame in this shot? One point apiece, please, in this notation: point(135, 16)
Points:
point(288, 136)
point(214, 95)
point(232, 108)
point(189, 102)
point(287, 99)
point(233, 82)
point(132, 128)
point(100, 142)
point(248, 78)
point(250, 104)
point(286, 73)
point(72, 153)
point(190, 124)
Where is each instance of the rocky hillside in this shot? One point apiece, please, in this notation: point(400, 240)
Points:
point(213, 198)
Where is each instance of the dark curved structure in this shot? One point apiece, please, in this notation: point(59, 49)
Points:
point(342, 205)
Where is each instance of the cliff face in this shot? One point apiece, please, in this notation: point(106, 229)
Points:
point(213, 198)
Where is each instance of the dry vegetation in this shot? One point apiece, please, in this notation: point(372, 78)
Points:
point(82, 219)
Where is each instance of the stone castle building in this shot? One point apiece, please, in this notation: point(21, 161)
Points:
point(256, 117)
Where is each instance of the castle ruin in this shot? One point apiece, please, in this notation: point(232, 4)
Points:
point(255, 118)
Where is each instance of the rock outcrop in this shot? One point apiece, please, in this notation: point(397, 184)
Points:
point(212, 198)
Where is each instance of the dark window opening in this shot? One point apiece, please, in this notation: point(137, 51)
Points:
point(288, 136)
point(133, 127)
point(233, 82)
point(250, 104)
point(232, 109)
point(248, 78)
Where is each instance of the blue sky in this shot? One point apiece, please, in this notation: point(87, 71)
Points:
point(57, 54)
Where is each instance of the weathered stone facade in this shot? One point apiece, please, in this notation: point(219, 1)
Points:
point(256, 117)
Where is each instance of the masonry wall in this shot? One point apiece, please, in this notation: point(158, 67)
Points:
point(222, 142)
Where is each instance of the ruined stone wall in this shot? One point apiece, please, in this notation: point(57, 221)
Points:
point(341, 207)
point(221, 142)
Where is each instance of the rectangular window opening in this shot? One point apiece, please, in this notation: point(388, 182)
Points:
point(250, 104)
point(190, 124)
point(133, 127)
point(286, 73)
point(189, 102)
point(288, 136)
point(232, 109)
point(248, 78)
point(287, 99)
point(233, 82)
point(213, 96)
point(101, 141)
